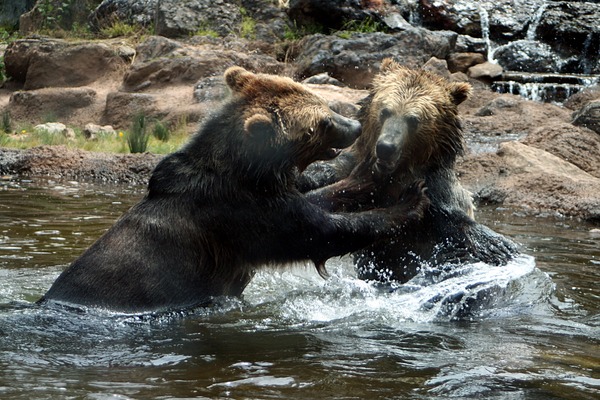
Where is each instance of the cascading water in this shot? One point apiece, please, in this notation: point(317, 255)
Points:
point(546, 87)
point(535, 21)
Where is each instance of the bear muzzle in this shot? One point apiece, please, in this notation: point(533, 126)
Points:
point(391, 145)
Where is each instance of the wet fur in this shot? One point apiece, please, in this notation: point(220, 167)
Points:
point(448, 232)
point(225, 205)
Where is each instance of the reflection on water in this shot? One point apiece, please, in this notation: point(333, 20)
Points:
point(530, 330)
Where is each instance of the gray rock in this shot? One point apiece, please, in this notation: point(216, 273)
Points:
point(588, 116)
point(355, 60)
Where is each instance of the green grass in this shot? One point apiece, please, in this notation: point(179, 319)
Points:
point(25, 138)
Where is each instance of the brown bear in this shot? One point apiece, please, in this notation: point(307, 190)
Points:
point(411, 131)
point(227, 204)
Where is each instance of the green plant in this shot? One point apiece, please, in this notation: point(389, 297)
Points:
point(161, 132)
point(248, 25)
point(6, 122)
point(206, 32)
point(137, 138)
point(119, 28)
point(367, 25)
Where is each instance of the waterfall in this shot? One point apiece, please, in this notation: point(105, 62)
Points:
point(485, 32)
point(535, 21)
point(585, 63)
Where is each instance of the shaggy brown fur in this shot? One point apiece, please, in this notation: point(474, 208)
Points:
point(411, 131)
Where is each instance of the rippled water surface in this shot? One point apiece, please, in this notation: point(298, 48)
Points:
point(533, 330)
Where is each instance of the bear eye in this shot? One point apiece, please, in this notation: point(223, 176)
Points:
point(325, 123)
point(385, 114)
point(412, 122)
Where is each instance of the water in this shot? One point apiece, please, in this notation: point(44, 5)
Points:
point(533, 331)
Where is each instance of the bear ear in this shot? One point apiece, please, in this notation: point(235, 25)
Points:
point(259, 126)
point(460, 91)
point(388, 64)
point(237, 77)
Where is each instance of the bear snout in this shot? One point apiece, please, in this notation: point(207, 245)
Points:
point(347, 131)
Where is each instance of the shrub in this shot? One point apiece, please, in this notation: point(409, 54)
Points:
point(137, 138)
point(6, 123)
point(161, 132)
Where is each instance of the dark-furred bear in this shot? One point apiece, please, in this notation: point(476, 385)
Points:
point(411, 130)
point(227, 204)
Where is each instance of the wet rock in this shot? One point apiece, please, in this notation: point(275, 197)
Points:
point(40, 63)
point(573, 27)
point(588, 116)
point(530, 56)
point(355, 60)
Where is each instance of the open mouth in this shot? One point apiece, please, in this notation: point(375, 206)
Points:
point(384, 167)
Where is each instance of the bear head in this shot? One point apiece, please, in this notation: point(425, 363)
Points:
point(285, 122)
point(410, 120)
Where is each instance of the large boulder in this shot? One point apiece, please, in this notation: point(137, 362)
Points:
point(162, 61)
point(356, 59)
point(534, 180)
point(47, 103)
point(44, 62)
point(257, 19)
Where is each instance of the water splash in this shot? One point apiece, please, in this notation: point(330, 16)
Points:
point(467, 292)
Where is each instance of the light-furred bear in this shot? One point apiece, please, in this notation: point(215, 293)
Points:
point(226, 204)
point(411, 131)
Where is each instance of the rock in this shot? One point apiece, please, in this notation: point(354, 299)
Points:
point(55, 102)
point(40, 63)
point(121, 107)
point(437, 66)
point(534, 180)
point(355, 60)
point(461, 62)
point(163, 61)
point(336, 14)
point(573, 27)
point(588, 116)
point(485, 71)
point(11, 10)
point(92, 131)
point(323, 79)
point(530, 56)
point(62, 162)
point(469, 44)
point(257, 19)
point(134, 12)
point(579, 99)
point(55, 128)
point(210, 89)
point(507, 19)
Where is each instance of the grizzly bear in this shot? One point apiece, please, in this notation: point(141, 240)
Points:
point(226, 204)
point(411, 131)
